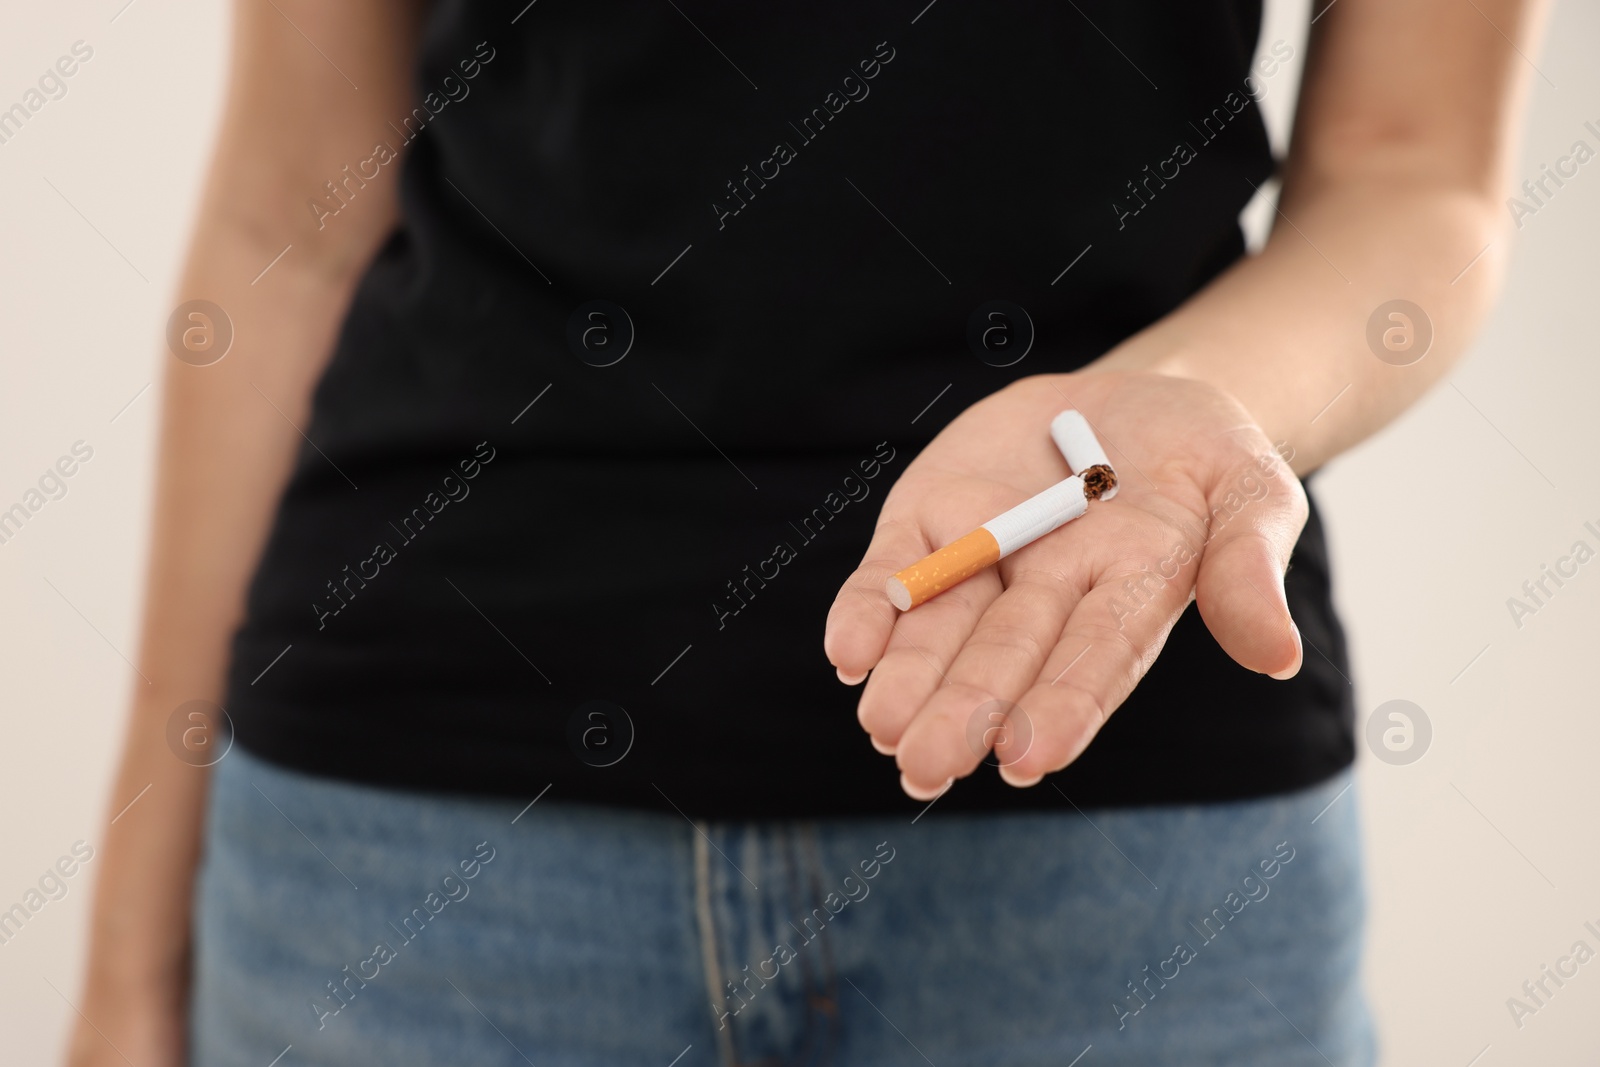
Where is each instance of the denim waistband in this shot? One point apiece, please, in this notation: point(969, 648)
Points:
point(344, 924)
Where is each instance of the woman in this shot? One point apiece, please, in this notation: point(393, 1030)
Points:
point(506, 408)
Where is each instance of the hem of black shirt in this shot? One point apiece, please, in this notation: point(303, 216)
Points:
point(1162, 779)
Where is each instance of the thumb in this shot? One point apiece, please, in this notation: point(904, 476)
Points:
point(1239, 589)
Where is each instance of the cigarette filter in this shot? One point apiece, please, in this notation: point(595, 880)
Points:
point(1081, 448)
point(990, 543)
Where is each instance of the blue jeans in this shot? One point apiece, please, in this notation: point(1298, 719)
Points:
point(341, 924)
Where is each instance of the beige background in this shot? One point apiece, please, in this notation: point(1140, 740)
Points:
point(1483, 855)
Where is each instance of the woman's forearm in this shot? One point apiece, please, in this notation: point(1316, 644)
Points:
point(229, 434)
point(225, 452)
point(1392, 192)
point(1286, 331)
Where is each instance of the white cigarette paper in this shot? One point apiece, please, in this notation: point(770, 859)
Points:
point(1079, 446)
point(1039, 515)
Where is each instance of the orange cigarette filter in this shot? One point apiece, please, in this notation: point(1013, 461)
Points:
point(951, 565)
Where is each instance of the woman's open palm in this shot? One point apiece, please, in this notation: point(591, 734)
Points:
point(1031, 656)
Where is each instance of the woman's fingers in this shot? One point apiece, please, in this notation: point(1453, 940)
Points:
point(907, 655)
point(916, 664)
point(861, 619)
point(951, 728)
point(1105, 650)
point(1117, 630)
point(1240, 587)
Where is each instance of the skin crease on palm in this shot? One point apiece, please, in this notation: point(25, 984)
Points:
point(1048, 629)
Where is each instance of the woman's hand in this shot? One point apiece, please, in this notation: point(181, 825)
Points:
point(1062, 630)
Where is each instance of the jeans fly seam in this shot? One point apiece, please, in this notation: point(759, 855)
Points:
point(708, 941)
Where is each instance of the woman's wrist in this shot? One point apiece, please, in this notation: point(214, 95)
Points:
point(1151, 351)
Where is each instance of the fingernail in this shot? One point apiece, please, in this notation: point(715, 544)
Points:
point(1299, 657)
point(850, 679)
point(1014, 779)
point(887, 750)
point(917, 793)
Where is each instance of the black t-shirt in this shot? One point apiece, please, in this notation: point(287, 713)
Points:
point(678, 292)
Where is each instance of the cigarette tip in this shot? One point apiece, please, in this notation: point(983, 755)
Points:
point(898, 594)
point(1099, 481)
point(1069, 417)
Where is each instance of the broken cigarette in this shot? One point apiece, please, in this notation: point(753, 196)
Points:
point(1093, 479)
point(1081, 448)
point(998, 538)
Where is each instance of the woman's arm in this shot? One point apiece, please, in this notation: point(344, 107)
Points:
point(1406, 127)
point(1396, 182)
point(292, 122)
